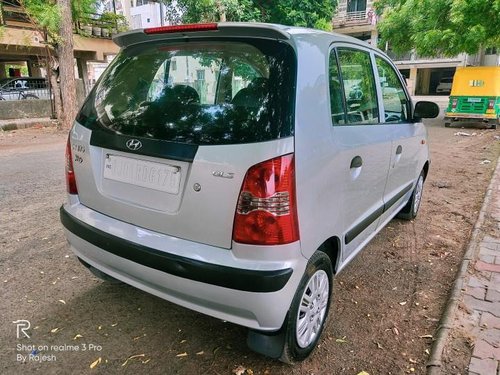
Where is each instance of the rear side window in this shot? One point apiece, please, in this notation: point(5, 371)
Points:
point(359, 86)
point(393, 95)
point(202, 93)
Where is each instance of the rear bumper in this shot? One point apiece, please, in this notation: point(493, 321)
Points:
point(256, 294)
point(470, 117)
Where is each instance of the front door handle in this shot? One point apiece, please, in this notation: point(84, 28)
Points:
point(399, 150)
point(356, 162)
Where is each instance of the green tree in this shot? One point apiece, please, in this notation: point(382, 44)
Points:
point(433, 27)
point(191, 11)
point(311, 13)
point(46, 14)
point(53, 19)
point(307, 13)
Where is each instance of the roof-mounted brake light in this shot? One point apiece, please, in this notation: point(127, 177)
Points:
point(193, 27)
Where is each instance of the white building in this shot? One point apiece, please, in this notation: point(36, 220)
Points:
point(139, 13)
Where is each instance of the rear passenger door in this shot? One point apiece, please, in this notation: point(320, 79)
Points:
point(362, 145)
point(407, 148)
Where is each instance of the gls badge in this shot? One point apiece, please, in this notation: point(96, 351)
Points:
point(133, 144)
point(223, 174)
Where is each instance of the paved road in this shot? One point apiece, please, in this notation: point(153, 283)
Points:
point(392, 290)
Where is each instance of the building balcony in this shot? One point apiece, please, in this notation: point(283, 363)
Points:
point(349, 19)
point(408, 56)
point(21, 40)
point(352, 13)
point(12, 15)
point(93, 26)
point(410, 59)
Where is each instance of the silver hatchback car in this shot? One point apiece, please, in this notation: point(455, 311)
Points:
point(234, 168)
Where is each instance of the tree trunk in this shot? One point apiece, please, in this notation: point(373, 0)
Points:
point(56, 94)
point(66, 65)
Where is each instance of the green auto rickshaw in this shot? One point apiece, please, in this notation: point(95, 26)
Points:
point(475, 96)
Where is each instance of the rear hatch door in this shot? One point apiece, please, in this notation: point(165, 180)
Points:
point(172, 127)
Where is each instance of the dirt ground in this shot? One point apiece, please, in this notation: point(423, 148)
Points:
point(387, 302)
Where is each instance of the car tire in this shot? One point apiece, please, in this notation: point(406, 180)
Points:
point(309, 310)
point(410, 211)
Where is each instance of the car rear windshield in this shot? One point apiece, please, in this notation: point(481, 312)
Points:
point(199, 92)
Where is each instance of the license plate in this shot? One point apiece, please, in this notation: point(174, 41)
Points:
point(157, 176)
point(474, 100)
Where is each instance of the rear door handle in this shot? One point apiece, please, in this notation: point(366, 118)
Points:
point(397, 158)
point(356, 162)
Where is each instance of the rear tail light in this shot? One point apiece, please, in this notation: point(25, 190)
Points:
point(267, 211)
point(491, 103)
point(454, 103)
point(192, 27)
point(70, 173)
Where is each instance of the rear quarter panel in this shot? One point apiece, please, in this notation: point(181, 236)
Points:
point(318, 199)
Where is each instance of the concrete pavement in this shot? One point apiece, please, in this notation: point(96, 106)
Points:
point(482, 294)
point(474, 302)
point(14, 124)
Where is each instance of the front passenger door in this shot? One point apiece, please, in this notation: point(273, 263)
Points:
point(408, 143)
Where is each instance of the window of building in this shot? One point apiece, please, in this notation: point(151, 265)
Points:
point(356, 6)
point(200, 74)
point(136, 21)
point(393, 95)
point(359, 86)
point(491, 51)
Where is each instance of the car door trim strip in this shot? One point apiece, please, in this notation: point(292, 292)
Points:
point(397, 197)
point(359, 228)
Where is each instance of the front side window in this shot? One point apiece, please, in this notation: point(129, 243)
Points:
point(199, 93)
point(393, 95)
point(359, 86)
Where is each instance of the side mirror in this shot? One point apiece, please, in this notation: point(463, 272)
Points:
point(425, 110)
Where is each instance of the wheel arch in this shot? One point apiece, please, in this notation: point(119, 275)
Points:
point(425, 169)
point(331, 247)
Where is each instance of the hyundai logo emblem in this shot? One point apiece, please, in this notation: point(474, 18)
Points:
point(133, 144)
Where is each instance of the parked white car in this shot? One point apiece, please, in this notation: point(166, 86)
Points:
point(234, 168)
